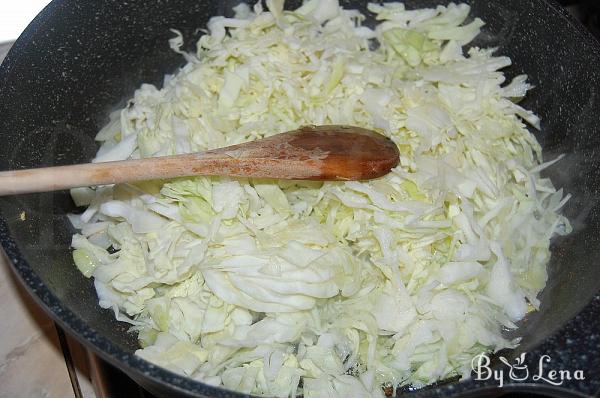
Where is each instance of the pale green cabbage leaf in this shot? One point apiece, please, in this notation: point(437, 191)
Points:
point(255, 285)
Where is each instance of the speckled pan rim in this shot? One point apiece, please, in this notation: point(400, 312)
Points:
point(139, 368)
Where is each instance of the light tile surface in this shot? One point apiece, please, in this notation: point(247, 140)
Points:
point(31, 361)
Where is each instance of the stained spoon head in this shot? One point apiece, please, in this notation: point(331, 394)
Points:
point(326, 153)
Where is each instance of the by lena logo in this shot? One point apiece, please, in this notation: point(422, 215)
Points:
point(520, 371)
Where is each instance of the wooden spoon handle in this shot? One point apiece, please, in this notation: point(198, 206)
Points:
point(82, 175)
point(65, 177)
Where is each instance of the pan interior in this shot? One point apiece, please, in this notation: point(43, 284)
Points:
point(80, 60)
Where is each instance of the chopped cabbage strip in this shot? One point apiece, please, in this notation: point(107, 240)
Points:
point(257, 285)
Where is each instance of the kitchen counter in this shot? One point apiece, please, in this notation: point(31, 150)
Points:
point(31, 359)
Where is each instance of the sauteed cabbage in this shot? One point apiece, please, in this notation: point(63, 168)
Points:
point(281, 288)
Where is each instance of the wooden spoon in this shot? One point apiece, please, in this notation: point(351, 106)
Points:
point(309, 153)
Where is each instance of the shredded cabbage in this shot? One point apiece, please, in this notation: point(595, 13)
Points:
point(257, 285)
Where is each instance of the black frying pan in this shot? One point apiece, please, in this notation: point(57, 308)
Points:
point(81, 58)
